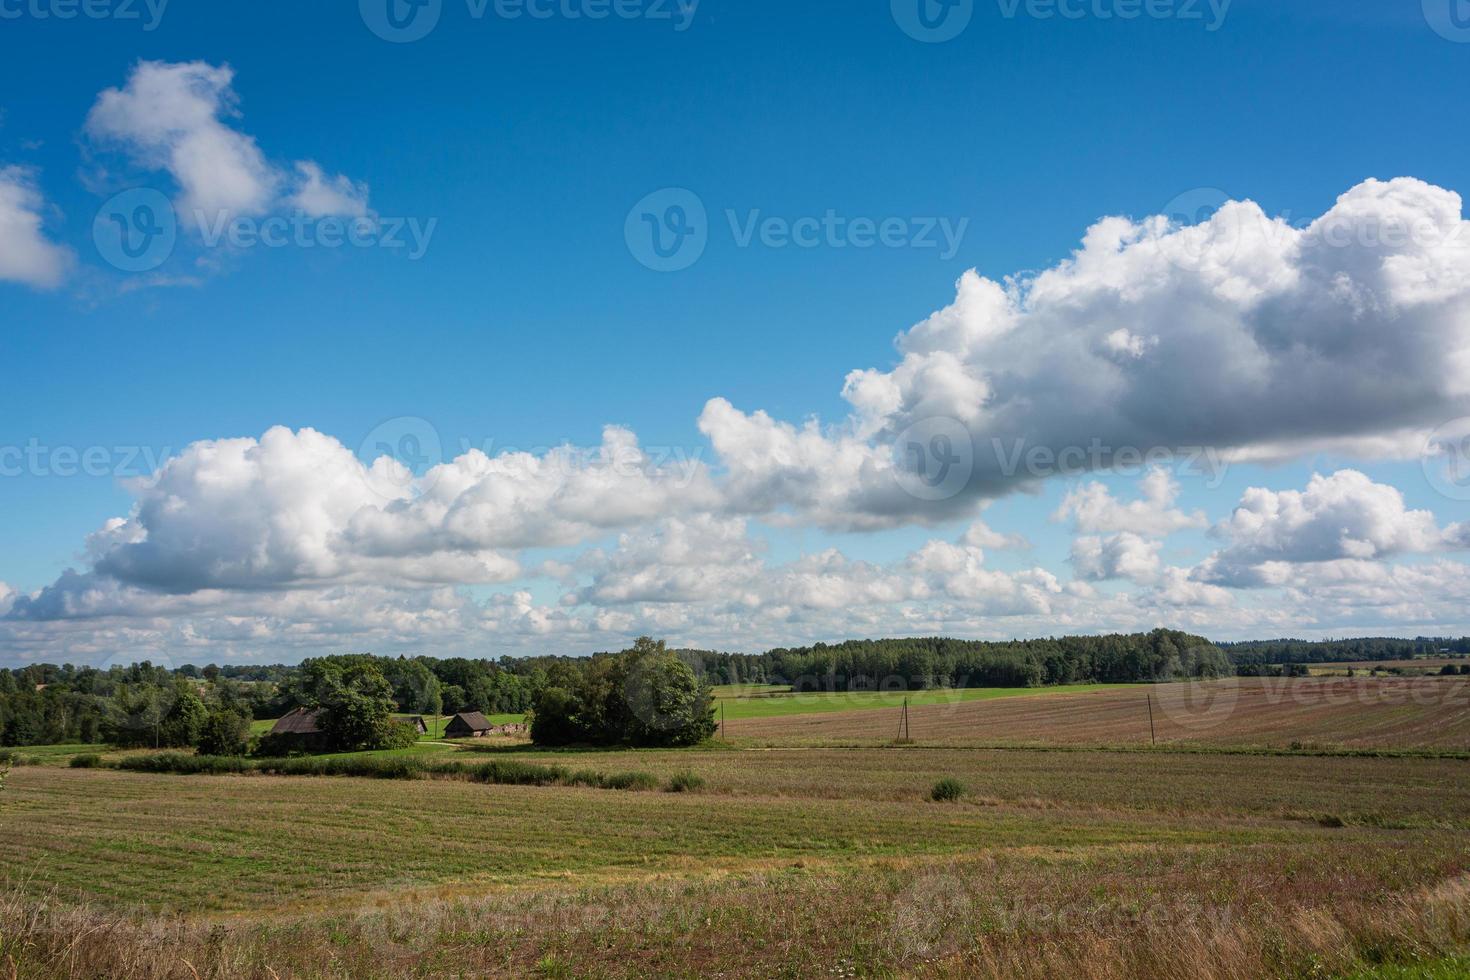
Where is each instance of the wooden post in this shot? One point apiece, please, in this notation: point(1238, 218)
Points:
point(722, 720)
point(1152, 735)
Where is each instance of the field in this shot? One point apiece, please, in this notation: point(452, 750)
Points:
point(1350, 713)
point(813, 849)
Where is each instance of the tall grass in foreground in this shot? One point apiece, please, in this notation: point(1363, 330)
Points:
point(876, 922)
point(505, 772)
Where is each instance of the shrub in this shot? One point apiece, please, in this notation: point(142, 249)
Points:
point(512, 773)
point(630, 780)
point(224, 733)
point(684, 782)
point(367, 767)
point(182, 763)
point(89, 760)
point(947, 791)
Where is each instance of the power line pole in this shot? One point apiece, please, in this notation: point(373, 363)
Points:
point(1152, 735)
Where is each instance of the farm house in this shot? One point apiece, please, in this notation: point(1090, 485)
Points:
point(467, 724)
point(300, 726)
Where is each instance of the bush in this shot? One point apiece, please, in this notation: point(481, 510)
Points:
point(684, 782)
point(89, 760)
point(947, 791)
point(224, 733)
point(367, 767)
point(510, 773)
point(182, 763)
point(630, 781)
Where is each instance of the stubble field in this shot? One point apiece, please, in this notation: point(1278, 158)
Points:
point(797, 860)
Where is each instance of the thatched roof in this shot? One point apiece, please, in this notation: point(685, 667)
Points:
point(472, 720)
point(297, 722)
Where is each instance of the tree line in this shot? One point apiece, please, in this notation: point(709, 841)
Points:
point(920, 663)
point(1253, 652)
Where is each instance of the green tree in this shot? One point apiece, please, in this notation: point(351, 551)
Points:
point(184, 721)
point(355, 700)
point(644, 696)
point(225, 732)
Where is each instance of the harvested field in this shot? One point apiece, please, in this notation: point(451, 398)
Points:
point(1362, 713)
point(844, 869)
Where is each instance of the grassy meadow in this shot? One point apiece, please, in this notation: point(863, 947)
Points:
point(1078, 849)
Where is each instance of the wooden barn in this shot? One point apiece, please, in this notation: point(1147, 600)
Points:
point(300, 727)
point(467, 724)
point(418, 723)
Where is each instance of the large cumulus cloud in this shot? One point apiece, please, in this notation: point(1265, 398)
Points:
point(1243, 334)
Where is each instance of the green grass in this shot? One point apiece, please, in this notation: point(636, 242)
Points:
point(775, 705)
point(789, 863)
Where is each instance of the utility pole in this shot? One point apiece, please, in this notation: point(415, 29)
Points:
point(722, 720)
point(1152, 735)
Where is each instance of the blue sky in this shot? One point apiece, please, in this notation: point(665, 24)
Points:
point(528, 321)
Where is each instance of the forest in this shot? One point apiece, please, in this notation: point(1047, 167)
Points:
point(150, 704)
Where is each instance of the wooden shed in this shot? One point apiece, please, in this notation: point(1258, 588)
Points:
point(300, 727)
point(467, 724)
point(418, 723)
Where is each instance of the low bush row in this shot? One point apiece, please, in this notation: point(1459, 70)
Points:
point(499, 771)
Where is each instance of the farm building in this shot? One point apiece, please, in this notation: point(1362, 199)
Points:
point(467, 724)
point(418, 723)
point(300, 726)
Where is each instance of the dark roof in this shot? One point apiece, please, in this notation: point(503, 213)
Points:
point(297, 722)
point(472, 720)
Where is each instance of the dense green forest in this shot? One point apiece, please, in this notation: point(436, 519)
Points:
point(915, 664)
point(144, 704)
point(1337, 651)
